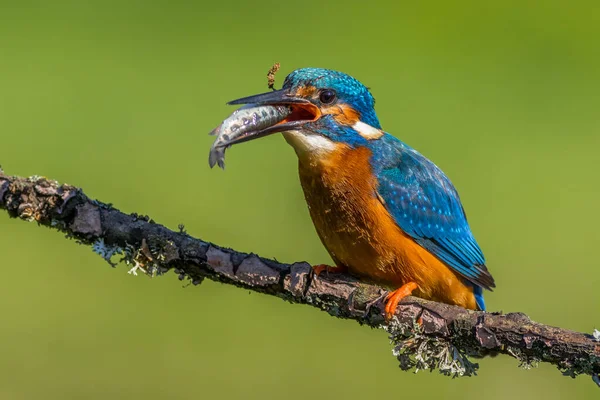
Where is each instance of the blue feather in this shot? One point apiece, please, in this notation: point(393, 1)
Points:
point(478, 292)
point(426, 206)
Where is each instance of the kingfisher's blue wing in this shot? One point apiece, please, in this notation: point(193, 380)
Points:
point(426, 206)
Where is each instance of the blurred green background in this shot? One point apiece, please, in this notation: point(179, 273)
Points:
point(118, 97)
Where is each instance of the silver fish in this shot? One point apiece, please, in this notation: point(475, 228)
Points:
point(242, 123)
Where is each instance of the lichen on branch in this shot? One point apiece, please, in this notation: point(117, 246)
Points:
point(424, 334)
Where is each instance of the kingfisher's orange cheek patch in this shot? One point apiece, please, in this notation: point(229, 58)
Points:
point(343, 114)
point(306, 91)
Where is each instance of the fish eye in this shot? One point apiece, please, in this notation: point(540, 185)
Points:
point(327, 96)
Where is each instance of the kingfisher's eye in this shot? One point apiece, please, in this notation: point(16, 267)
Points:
point(327, 96)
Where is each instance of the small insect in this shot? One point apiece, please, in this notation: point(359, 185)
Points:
point(271, 75)
point(242, 123)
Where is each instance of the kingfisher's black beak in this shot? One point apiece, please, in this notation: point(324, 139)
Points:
point(282, 96)
point(297, 112)
point(303, 111)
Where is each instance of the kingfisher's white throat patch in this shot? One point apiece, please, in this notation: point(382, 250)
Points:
point(367, 131)
point(312, 144)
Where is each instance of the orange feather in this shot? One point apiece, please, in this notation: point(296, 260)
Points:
point(306, 91)
point(360, 234)
point(343, 114)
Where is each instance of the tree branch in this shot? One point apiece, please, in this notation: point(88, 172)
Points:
point(425, 334)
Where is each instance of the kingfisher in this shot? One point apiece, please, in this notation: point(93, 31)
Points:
point(384, 212)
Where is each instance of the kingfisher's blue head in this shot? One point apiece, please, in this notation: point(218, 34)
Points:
point(329, 108)
point(334, 93)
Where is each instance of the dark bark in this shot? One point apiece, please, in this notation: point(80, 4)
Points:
point(425, 334)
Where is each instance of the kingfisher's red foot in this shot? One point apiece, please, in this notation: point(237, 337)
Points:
point(393, 298)
point(317, 269)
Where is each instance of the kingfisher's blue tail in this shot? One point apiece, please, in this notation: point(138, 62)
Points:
point(478, 293)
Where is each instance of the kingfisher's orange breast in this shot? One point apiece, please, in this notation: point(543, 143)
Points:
point(360, 234)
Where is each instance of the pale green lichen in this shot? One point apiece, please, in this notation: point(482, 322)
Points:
point(415, 350)
point(137, 266)
point(525, 361)
point(35, 178)
point(27, 216)
point(148, 261)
